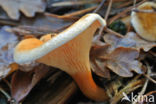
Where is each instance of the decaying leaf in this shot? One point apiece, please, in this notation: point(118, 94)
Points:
point(97, 66)
point(131, 39)
point(23, 82)
point(39, 25)
point(28, 7)
point(122, 61)
point(7, 44)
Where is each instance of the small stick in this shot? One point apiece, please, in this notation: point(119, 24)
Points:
point(71, 3)
point(150, 93)
point(108, 10)
point(125, 4)
point(80, 12)
point(134, 3)
point(113, 32)
point(99, 7)
point(148, 75)
point(5, 93)
point(73, 15)
point(151, 79)
point(144, 87)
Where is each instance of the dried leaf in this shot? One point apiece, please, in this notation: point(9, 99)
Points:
point(122, 61)
point(7, 44)
point(28, 7)
point(130, 40)
point(97, 66)
point(40, 25)
point(23, 82)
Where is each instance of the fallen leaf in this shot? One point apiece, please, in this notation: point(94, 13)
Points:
point(97, 66)
point(23, 82)
point(28, 7)
point(40, 25)
point(7, 43)
point(122, 61)
point(131, 39)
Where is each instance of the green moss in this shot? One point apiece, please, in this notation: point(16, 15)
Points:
point(119, 27)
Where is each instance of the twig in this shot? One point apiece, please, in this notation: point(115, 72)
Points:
point(72, 15)
point(27, 30)
point(71, 3)
point(151, 79)
point(5, 93)
point(80, 12)
point(148, 75)
point(100, 33)
point(134, 3)
point(67, 18)
point(125, 4)
point(150, 93)
point(99, 7)
point(8, 22)
point(108, 9)
point(113, 32)
point(144, 87)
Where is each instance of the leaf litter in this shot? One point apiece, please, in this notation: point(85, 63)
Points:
point(23, 82)
point(131, 39)
point(7, 43)
point(111, 52)
point(28, 7)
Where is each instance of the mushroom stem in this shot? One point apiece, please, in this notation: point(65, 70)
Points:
point(89, 87)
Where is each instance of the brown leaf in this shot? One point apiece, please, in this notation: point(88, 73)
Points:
point(22, 82)
point(97, 66)
point(40, 25)
point(7, 44)
point(28, 7)
point(122, 61)
point(131, 39)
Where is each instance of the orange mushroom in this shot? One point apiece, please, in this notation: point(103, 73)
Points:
point(145, 22)
point(68, 51)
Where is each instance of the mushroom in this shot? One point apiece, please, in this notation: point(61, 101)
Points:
point(144, 21)
point(68, 51)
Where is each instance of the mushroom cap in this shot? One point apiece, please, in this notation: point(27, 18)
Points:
point(145, 23)
point(38, 48)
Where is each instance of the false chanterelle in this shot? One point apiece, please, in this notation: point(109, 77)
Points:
point(68, 51)
point(144, 21)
